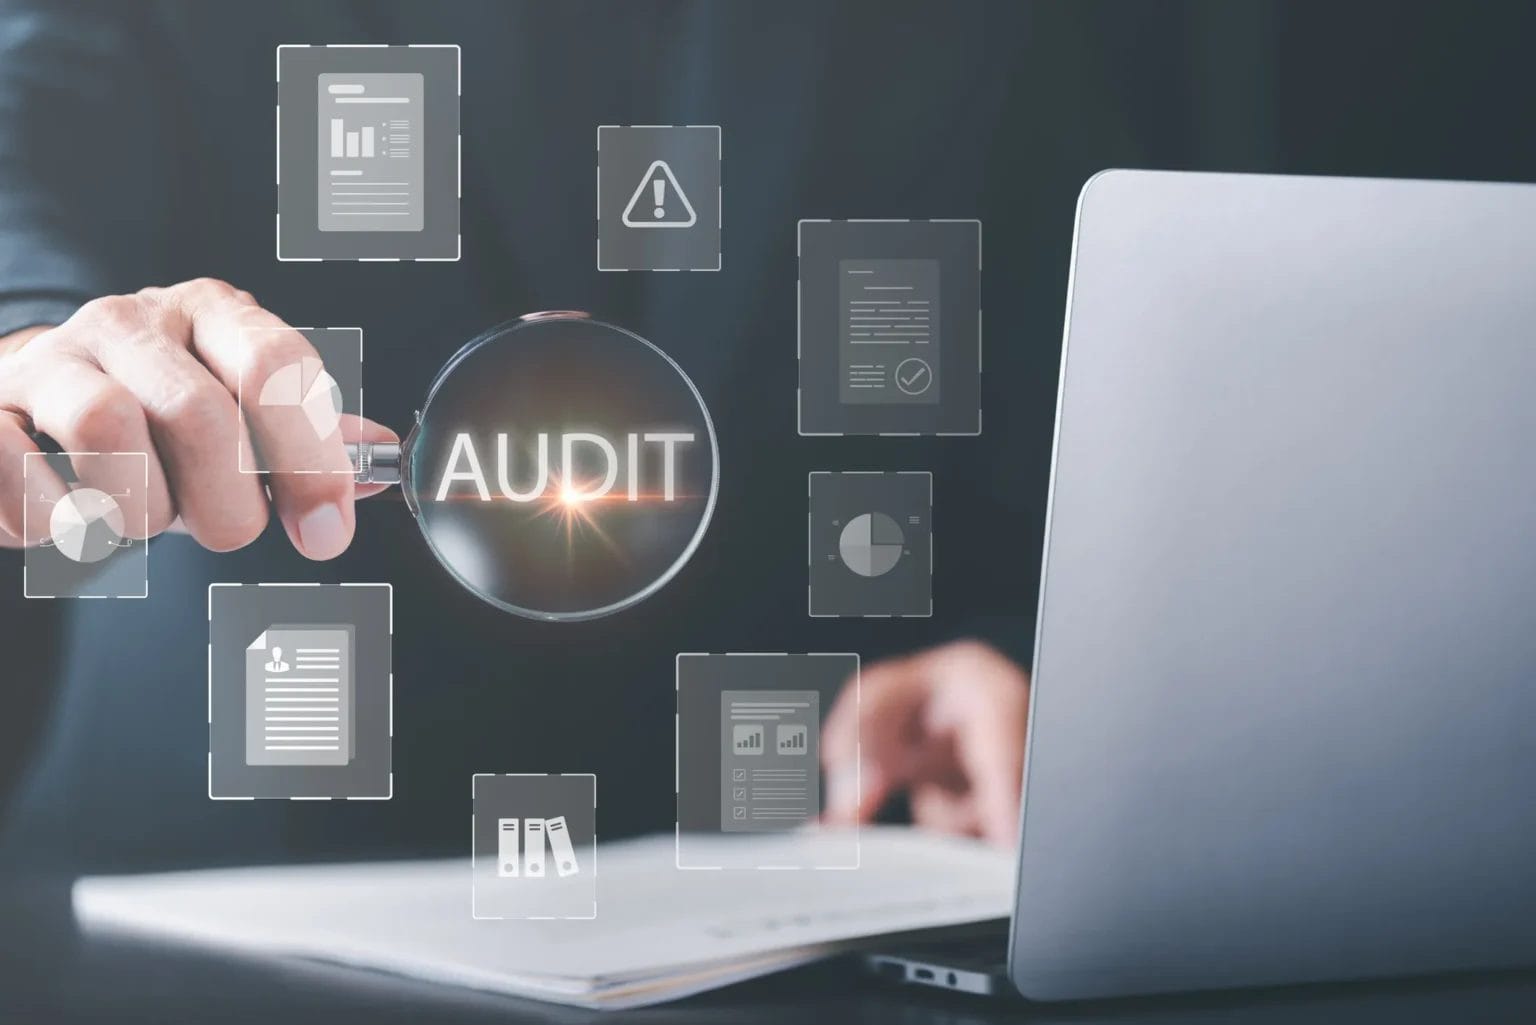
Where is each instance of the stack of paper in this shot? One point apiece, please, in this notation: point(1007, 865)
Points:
point(660, 933)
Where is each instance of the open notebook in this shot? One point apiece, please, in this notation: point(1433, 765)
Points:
point(660, 933)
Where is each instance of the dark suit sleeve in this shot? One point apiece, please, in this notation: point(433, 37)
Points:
point(80, 216)
point(81, 138)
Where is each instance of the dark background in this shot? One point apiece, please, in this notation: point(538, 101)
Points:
point(136, 148)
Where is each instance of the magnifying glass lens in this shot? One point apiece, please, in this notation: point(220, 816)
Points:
point(562, 468)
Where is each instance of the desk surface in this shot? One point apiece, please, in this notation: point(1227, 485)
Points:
point(49, 973)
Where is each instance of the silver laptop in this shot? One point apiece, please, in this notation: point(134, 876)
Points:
point(1284, 716)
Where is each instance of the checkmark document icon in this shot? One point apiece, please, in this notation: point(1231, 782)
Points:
point(889, 335)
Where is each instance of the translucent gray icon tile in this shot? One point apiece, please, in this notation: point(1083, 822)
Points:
point(871, 544)
point(889, 337)
point(749, 768)
point(300, 691)
point(658, 197)
point(86, 518)
point(535, 845)
point(368, 153)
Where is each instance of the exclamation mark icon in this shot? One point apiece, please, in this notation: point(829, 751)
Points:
point(659, 176)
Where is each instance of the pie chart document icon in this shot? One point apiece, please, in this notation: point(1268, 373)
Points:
point(90, 539)
point(309, 393)
point(871, 544)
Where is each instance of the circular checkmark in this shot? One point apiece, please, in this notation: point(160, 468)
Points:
point(913, 376)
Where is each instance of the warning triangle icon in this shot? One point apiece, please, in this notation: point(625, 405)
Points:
point(658, 207)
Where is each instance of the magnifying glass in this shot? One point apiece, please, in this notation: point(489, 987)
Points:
point(561, 468)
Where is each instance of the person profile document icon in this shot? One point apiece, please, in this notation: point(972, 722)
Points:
point(299, 697)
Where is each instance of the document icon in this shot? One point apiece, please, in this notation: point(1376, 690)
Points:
point(370, 159)
point(888, 343)
point(769, 788)
point(368, 152)
point(299, 696)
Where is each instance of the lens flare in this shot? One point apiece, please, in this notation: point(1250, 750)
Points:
point(569, 502)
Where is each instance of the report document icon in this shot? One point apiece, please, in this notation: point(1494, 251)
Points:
point(298, 696)
point(761, 789)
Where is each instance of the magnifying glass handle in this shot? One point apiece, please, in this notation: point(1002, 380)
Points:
point(375, 462)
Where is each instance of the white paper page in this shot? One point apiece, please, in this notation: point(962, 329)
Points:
point(653, 921)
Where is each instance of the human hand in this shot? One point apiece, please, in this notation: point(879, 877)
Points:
point(157, 372)
point(946, 726)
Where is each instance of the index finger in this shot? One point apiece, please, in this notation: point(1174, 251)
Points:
point(866, 739)
point(245, 346)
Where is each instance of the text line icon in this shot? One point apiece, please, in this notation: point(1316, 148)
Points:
point(658, 177)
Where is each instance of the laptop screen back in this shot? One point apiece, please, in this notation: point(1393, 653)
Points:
point(1284, 720)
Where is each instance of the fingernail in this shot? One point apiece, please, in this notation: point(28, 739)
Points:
point(323, 532)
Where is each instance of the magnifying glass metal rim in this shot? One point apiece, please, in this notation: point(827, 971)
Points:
point(364, 458)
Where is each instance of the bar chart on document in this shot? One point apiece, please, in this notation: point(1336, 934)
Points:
point(370, 153)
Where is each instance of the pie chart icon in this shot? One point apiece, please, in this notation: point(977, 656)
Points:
point(307, 387)
point(871, 544)
point(86, 525)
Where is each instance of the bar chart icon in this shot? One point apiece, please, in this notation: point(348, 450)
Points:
point(747, 740)
point(791, 739)
point(350, 144)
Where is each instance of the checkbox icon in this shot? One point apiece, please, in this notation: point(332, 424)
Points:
point(738, 775)
point(738, 793)
point(738, 812)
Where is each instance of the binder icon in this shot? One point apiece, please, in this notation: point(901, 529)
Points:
point(531, 863)
point(533, 848)
point(506, 848)
point(560, 843)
